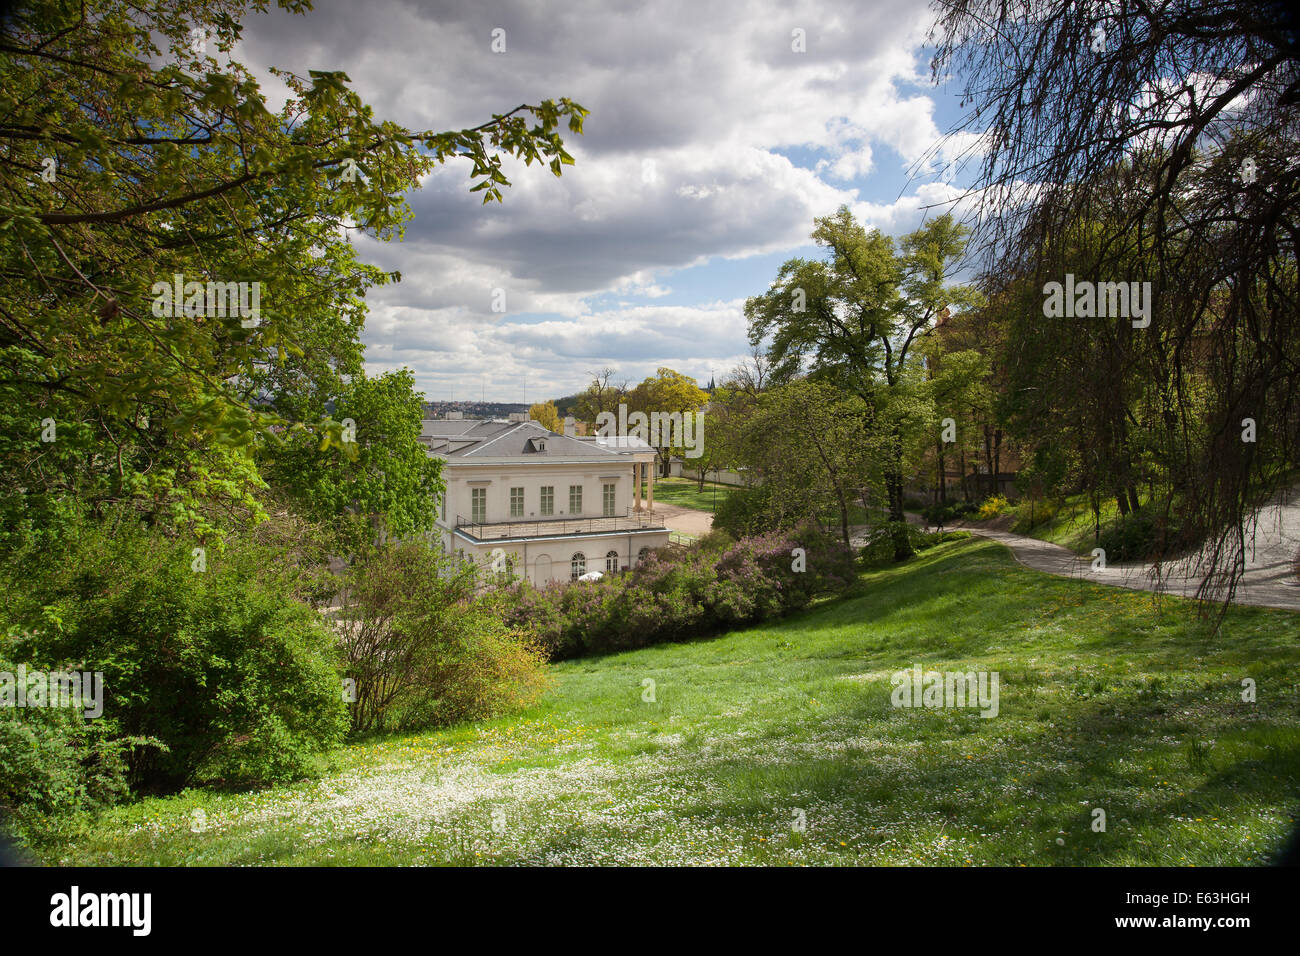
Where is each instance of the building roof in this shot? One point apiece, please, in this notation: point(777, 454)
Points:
point(492, 439)
point(621, 443)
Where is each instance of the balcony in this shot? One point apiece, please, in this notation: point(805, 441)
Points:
point(631, 520)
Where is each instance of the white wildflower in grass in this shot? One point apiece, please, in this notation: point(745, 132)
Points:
point(710, 777)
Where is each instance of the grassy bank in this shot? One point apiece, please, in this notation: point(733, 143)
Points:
point(686, 492)
point(1108, 700)
point(1071, 526)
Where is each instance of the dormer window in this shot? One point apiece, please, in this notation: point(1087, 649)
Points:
point(539, 444)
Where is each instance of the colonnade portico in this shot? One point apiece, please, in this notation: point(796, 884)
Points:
point(637, 469)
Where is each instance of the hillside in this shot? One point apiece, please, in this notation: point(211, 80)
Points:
point(779, 745)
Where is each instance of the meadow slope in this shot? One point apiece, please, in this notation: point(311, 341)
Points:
point(779, 745)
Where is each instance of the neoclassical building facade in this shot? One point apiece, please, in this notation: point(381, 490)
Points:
point(541, 505)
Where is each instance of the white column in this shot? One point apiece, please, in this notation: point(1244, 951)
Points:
point(636, 481)
point(651, 491)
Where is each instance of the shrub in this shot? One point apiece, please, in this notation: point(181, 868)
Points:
point(746, 511)
point(993, 506)
point(425, 648)
point(716, 541)
point(938, 514)
point(679, 595)
point(879, 550)
point(1033, 514)
point(234, 680)
point(758, 577)
point(946, 512)
point(1138, 536)
point(55, 760)
point(929, 540)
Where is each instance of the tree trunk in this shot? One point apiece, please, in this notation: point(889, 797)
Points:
point(897, 518)
point(997, 458)
point(942, 496)
point(844, 515)
point(894, 485)
point(988, 451)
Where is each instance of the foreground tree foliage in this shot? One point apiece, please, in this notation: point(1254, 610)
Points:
point(1153, 142)
point(214, 671)
point(386, 479)
point(133, 150)
point(186, 430)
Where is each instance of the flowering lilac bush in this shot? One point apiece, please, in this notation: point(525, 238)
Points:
point(678, 595)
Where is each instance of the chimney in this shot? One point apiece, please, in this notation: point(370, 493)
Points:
point(569, 426)
point(455, 416)
point(518, 416)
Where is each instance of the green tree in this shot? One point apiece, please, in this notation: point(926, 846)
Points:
point(853, 319)
point(671, 393)
point(963, 399)
point(805, 441)
point(135, 151)
point(384, 474)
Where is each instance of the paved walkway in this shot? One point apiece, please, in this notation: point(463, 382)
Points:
point(1269, 579)
point(690, 521)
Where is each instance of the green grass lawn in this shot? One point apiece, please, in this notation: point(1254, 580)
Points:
point(1108, 700)
point(685, 492)
point(1072, 525)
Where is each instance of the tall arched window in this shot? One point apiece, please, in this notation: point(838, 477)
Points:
point(611, 561)
point(577, 566)
point(642, 555)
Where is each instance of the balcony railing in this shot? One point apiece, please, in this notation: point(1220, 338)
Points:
point(630, 520)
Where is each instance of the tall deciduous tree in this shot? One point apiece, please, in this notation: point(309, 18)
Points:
point(1192, 107)
point(546, 415)
point(602, 395)
point(670, 393)
point(854, 317)
point(815, 449)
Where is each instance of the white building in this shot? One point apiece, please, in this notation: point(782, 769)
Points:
point(556, 506)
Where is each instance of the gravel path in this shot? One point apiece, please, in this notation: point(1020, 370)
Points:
point(687, 520)
point(1269, 579)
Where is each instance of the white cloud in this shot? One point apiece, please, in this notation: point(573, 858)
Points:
point(692, 105)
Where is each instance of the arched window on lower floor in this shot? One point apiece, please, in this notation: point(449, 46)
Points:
point(611, 561)
point(577, 566)
point(641, 556)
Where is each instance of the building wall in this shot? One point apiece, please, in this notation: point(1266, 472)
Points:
point(544, 561)
point(722, 476)
point(554, 553)
point(498, 479)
